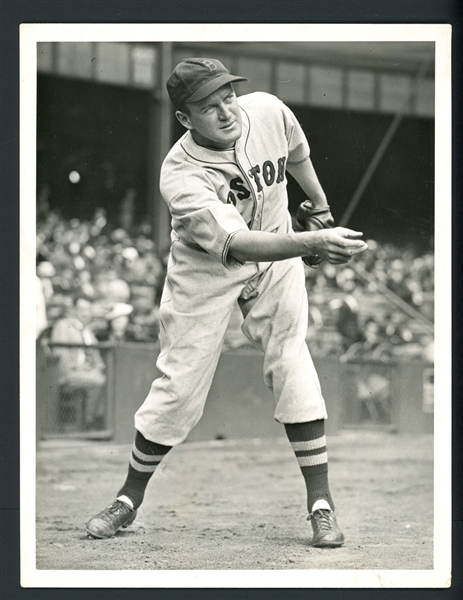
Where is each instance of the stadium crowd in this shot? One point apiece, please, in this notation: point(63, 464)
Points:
point(117, 271)
point(121, 272)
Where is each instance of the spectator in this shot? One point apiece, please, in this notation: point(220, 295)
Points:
point(118, 320)
point(347, 320)
point(81, 369)
point(374, 345)
point(41, 322)
point(427, 345)
point(84, 280)
point(110, 286)
point(46, 271)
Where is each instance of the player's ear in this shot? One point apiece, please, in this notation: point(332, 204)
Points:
point(184, 119)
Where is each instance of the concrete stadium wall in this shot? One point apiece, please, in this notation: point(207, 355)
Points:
point(239, 405)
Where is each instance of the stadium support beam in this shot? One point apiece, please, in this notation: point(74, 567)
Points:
point(409, 310)
point(159, 145)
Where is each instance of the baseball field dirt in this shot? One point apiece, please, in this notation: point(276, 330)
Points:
point(239, 504)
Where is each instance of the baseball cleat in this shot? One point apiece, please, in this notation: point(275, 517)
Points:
point(107, 522)
point(326, 533)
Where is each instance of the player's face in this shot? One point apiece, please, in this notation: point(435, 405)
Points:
point(214, 122)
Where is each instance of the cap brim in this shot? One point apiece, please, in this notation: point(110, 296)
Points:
point(212, 85)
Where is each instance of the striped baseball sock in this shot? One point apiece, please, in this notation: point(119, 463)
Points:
point(309, 444)
point(145, 458)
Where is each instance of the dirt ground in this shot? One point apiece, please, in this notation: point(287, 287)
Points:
point(239, 504)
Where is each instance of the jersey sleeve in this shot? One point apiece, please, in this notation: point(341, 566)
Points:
point(266, 108)
point(198, 216)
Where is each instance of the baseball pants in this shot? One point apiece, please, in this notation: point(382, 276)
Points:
point(195, 310)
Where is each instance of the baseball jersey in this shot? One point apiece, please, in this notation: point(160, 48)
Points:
point(212, 194)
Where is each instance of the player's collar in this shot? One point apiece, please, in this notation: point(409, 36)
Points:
point(208, 155)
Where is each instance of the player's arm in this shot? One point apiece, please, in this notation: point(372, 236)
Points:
point(305, 175)
point(336, 245)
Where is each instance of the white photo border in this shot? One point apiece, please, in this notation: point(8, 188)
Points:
point(440, 575)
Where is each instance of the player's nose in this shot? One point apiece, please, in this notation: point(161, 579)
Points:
point(224, 112)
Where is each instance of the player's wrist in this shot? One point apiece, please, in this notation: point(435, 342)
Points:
point(311, 242)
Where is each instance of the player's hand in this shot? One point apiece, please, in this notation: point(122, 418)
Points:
point(338, 245)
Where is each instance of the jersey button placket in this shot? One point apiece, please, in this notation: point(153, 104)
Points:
point(249, 181)
point(258, 217)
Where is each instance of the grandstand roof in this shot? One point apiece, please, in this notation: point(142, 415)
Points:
point(393, 56)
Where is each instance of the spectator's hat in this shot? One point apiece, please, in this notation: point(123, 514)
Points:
point(194, 79)
point(119, 309)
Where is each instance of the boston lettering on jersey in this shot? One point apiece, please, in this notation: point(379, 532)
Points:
point(269, 174)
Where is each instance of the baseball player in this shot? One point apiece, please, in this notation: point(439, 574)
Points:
point(225, 185)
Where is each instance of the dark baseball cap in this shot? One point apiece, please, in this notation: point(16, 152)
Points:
point(194, 79)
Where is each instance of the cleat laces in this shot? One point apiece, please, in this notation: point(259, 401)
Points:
point(322, 518)
point(117, 509)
